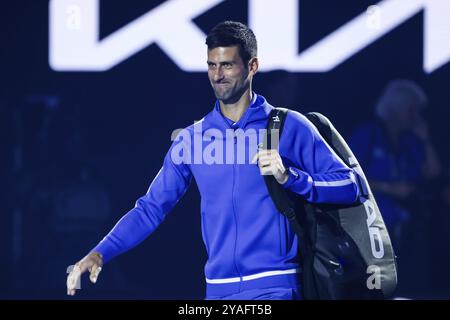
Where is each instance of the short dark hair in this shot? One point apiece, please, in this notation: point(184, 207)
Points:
point(232, 33)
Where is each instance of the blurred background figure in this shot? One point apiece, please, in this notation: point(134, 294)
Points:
point(399, 160)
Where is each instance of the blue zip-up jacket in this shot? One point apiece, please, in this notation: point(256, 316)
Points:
point(249, 243)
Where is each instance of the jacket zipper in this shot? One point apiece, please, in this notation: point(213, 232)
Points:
point(233, 201)
point(235, 211)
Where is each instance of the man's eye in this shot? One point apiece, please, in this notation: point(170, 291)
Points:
point(227, 65)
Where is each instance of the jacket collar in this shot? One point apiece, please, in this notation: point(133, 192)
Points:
point(259, 109)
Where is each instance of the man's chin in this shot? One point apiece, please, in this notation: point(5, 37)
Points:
point(222, 97)
point(227, 97)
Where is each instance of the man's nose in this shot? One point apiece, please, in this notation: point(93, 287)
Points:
point(218, 74)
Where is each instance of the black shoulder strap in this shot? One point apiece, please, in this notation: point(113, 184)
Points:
point(275, 127)
point(283, 202)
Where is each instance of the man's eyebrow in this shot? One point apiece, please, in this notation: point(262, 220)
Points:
point(221, 62)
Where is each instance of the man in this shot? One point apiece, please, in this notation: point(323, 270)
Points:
point(252, 252)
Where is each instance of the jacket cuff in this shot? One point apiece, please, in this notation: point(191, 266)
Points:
point(293, 176)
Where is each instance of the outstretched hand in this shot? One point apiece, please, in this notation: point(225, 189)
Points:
point(93, 263)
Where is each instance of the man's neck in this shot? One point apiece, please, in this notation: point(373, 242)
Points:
point(234, 111)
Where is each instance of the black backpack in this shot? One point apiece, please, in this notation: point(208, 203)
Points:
point(345, 250)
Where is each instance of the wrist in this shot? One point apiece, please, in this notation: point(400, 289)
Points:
point(284, 177)
point(291, 177)
point(97, 256)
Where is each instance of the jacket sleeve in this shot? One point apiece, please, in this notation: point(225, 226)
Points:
point(315, 171)
point(150, 210)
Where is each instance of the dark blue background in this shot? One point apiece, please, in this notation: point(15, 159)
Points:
point(114, 127)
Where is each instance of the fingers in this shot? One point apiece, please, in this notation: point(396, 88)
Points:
point(95, 271)
point(73, 279)
point(267, 157)
point(258, 154)
point(270, 163)
point(263, 155)
point(86, 264)
point(268, 170)
point(275, 169)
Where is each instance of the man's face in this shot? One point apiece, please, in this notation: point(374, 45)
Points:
point(228, 74)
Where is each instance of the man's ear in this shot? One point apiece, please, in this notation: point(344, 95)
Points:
point(253, 65)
